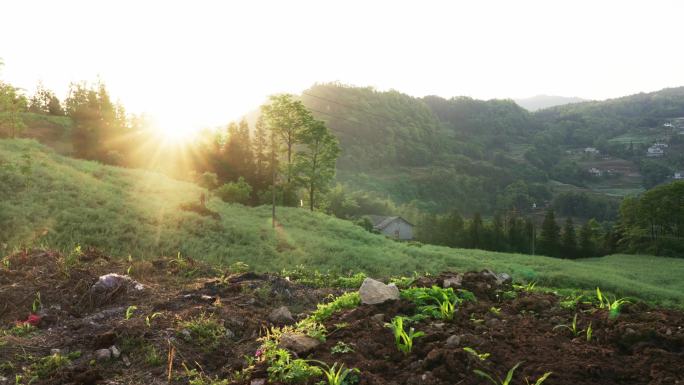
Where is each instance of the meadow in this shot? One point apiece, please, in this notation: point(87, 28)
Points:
point(48, 200)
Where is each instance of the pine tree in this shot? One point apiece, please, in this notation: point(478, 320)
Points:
point(550, 235)
point(587, 248)
point(475, 232)
point(569, 240)
point(453, 229)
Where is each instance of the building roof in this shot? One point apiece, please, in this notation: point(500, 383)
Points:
point(381, 221)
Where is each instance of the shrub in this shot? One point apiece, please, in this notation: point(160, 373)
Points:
point(235, 192)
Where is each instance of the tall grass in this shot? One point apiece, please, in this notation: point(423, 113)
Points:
point(64, 201)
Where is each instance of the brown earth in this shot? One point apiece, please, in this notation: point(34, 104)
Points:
point(643, 345)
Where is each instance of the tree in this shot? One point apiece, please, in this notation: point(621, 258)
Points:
point(453, 229)
point(235, 192)
point(12, 104)
point(550, 234)
point(44, 101)
point(475, 232)
point(262, 172)
point(587, 247)
point(315, 163)
point(569, 240)
point(287, 119)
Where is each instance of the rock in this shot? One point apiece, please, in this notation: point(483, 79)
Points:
point(229, 334)
point(281, 315)
point(380, 318)
point(103, 354)
point(453, 342)
point(185, 333)
point(126, 361)
point(374, 292)
point(55, 351)
point(438, 325)
point(114, 281)
point(504, 279)
point(433, 357)
point(298, 343)
point(454, 282)
point(115, 351)
point(493, 323)
point(258, 381)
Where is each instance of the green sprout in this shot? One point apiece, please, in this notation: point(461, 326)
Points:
point(130, 310)
point(402, 339)
point(341, 348)
point(499, 381)
point(335, 375)
point(572, 327)
point(474, 353)
point(613, 306)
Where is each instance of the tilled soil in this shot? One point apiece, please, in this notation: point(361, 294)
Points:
point(643, 345)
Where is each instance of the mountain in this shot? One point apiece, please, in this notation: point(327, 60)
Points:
point(539, 102)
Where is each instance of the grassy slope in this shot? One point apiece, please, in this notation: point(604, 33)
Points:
point(124, 211)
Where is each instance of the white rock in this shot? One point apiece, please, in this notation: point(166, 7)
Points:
point(115, 351)
point(103, 354)
point(373, 292)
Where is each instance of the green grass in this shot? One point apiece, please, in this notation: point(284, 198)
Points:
point(123, 211)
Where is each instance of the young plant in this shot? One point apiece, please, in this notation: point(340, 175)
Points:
point(528, 287)
point(540, 380)
point(37, 304)
point(589, 332)
point(285, 369)
point(435, 301)
point(572, 327)
point(152, 357)
point(130, 311)
point(341, 348)
point(499, 381)
point(204, 330)
point(336, 375)
point(149, 318)
point(402, 339)
point(474, 353)
point(613, 306)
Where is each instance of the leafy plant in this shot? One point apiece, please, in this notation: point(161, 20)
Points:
point(149, 318)
point(572, 327)
point(402, 339)
point(540, 380)
point(589, 332)
point(436, 302)
point(495, 310)
point(613, 306)
point(499, 381)
point(21, 329)
point(528, 287)
point(205, 330)
point(152, 357)
point(336, 375)
point(37, 304)
point(312, 328)
point(238, 267)
point(345, 301)
point(283, 368)
point(130, 311)
point(341, 348)
point(474, 353)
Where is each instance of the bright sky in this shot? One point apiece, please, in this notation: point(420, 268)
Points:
point(197, 63)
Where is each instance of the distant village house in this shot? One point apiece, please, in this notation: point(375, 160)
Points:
point(678, 175)
point(591, 151)
point(595, 171)
point(655, 151)
point(393, 227)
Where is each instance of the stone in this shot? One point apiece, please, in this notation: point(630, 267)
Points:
point(230, 334)
point(115, 351)
point(112, 281)
point(103, 354)
point(126, 361)
point(455, 282)
point(503, 279)
point(373, 292)
point(258, 381)
point(380, 318)
point(55, 351)
point(453, 342)
point(298, 343)
point(281, 315)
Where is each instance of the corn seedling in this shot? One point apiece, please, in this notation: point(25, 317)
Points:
point(435, 302)
point(402, 339)
point(528, 287)
point(495, 310)
point(130, 311)
point(37, 304)
point(149, 318)
point(539, 381)
point(589, 332)
point(572, 327)
point(335, 375)
point(499, 381)
point(283, 368)
point(474, 353)
point(613, 306)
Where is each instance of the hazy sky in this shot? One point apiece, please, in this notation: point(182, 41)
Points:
point(206, 62)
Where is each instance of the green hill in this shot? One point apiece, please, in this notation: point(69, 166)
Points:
point(54, 201)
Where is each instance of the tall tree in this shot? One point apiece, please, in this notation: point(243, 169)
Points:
point(315, 164)
point(12, 104)
point(475, 232)
point(550, 235)
point(569, 240)
point(587, 247)
point(261, 154)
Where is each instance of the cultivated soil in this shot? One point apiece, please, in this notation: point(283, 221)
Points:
point(643, 345)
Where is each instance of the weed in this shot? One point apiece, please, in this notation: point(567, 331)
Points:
point(238, 267)
point(528, 287)
point(5, 262)
point(345, 301)
point(71, 260)
point(196, 377)
point(312, 328)
point(341, 348)
point(152, 357)
point(589, 332)
point(337, 375)
point(402, 339)
point(509, 295)
point(435, 301)
point(37, 304)
point(130, 311)
point(45, 366)
point(474, 353)
point(475, 320)
point(495, 310)
point(21, 329)
point(205, 330)
point(283, 368)
point(352, 282)
point(572, 327)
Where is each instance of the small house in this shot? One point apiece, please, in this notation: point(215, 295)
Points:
point(595, 171)
point(393, 227)
point(655, 151)
point(591, 151)
point(678, 175)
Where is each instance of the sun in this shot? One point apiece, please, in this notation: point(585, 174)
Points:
point(174, 129)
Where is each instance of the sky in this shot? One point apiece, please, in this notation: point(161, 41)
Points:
point(203, 63)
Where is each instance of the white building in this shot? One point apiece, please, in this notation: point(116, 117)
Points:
point(591, 150)
point(595, 171)
point(654, 152)
point(678, 175)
